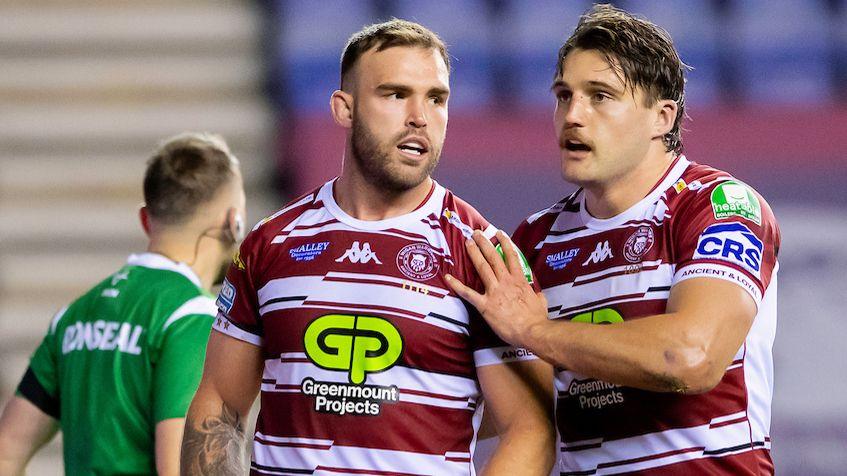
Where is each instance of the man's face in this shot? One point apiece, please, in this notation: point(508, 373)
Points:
point(399, 115)
point(603, 128)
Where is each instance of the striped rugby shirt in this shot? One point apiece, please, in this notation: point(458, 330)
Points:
point(370, 360)
point(696, 222)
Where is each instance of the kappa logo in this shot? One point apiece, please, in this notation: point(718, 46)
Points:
point(601, 253)
point(359, 254)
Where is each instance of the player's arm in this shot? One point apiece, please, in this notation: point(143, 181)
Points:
point(24, 429)
point(687, 349)
point(519, 400)
point(214, 437)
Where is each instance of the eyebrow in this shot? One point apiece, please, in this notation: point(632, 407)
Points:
point(596, 84)
point(438, 91)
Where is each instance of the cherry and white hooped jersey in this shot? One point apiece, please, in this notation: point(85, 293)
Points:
point(370, 360)
point(696, 222)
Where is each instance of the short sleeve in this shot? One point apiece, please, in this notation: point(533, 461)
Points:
point(489, 349)
point(40, 383)
point(179, 366)
point(238, 311)
point(727, 232)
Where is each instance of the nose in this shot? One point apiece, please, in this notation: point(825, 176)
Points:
point(416, 117)
point(574, 111)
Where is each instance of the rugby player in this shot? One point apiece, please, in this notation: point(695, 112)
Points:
point(679, 258)
point(119, 366)
point(338, 311)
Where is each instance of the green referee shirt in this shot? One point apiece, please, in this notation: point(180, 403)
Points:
point(126, 355)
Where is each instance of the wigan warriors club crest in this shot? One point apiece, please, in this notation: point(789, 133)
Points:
point(638, 244)
point(417, 261)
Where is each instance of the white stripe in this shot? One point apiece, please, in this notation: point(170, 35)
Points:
point(387, 279)
point(56, 318)
point(551, 239)
point(285, 439)
point(731, 416)
point(198, 305)
point(466, 389)
point(502, 355)
point(618, 269)
point(355, 458)
point(657, 443)
point(235, 332)
point(302, 201)
point(718, 271)
point(364, 297)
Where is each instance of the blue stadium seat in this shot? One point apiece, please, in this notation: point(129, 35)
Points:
point(784, 51)
point(694, 27)
point(535, 31)
point(312, 36)
point(466, 28)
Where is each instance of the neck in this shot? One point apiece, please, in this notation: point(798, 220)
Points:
point(609, 199)
point(364, 200)
point(200, 254)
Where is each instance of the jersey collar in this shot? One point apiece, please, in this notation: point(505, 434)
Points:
point(635, 212)
point(157, 261)
point(432, 205)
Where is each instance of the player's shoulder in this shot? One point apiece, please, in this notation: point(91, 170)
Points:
point(459, 217)
point(702, 188)
point(269, 226)
point(537, 225)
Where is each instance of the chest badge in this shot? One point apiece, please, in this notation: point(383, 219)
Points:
point(417, 261)
point(638, 244)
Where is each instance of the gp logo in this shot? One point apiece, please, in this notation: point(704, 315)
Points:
point(357, 344)
point(606, 315)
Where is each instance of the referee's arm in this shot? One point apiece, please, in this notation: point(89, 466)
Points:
point(24, 429)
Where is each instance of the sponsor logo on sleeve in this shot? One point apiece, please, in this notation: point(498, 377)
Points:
point(226, 297)
point(638, 244)
point(527, 272)
point(559, 260)
point(237, 261)
point(731, 242)
point(309, 251)
point(732, 198)
point(453, 219)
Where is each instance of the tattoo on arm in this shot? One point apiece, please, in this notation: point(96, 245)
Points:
point(213, 446)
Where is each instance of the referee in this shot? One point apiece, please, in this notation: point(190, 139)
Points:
point(119, 366)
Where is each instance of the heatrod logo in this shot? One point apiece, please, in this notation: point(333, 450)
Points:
point(359, 345)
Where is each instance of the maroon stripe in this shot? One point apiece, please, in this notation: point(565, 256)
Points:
point(600, 301)
point(753, 462)
point(308, 227)
point(369, 306)
point(648, 458)
point(292, 445)
point(433, 395)
point(728, 422)
point(399, 426)
point(616, 273)
point(364, 471)
point(294, 360)
point(378, 283)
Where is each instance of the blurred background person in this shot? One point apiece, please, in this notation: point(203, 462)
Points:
point(119, 366)
point(87, 86)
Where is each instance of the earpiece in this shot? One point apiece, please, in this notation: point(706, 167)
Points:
point(236, 225)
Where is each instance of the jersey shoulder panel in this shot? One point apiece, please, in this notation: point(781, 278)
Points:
point(535, 228)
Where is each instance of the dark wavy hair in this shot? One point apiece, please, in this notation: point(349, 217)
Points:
point(644, 54)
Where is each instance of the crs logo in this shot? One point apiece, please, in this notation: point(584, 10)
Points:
point(357, 344)
point(732, 242)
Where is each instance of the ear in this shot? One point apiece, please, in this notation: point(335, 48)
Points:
point(666, 110)
point(144, 217)
point(235, 225)
point(341, 104)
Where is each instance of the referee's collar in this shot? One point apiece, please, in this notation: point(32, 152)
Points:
point(157, 261)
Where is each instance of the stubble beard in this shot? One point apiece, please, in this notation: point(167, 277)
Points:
point(375, 161)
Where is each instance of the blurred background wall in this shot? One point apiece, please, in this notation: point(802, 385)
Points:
point(89, 86)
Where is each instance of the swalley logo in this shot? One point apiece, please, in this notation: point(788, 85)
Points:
point(560, 259)
point(358, 345)
point(359, 254)
point(602, 252)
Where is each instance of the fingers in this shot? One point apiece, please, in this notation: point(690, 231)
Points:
point(510, 255)
point(464, 292)
point(490, 253)
point(483, 266)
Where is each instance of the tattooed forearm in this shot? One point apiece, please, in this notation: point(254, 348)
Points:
point(213, 445)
